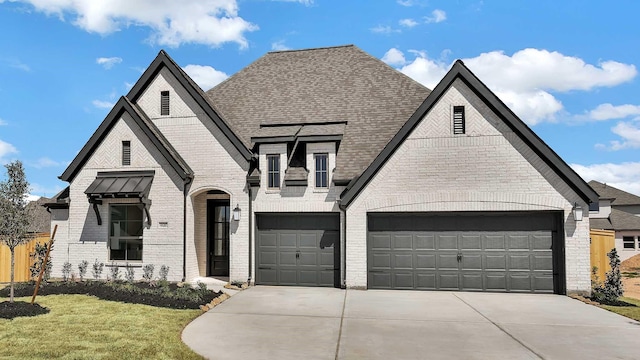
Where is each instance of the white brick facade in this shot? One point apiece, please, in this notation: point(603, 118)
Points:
point(486, 169)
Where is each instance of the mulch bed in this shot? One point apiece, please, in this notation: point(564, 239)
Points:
point(16, 309)
point(167, 296)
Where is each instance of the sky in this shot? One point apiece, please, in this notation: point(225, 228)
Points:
point(569, 69)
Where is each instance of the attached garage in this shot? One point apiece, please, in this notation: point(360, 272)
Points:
point(501, 252)
point(298, 249)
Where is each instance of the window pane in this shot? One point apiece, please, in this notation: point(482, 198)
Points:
point(134, 212)
point(219, 248)
point(118, 251)
point(134, 249)
point(218, 213)
point(134, 228)
point(628, 242)
point(220, 231)
point(118, 212)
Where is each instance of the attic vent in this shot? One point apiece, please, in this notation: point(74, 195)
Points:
point(126, 153)
point(164, 103)
point(458, 120)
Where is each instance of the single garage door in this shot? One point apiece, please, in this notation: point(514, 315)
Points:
point(297, 249)
point(502, 252)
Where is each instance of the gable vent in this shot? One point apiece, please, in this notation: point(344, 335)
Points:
point(164, 103)
point(126, 153)
point(458, 120)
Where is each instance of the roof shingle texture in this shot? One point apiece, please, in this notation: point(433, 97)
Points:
point(609, 192)
point(318, 86)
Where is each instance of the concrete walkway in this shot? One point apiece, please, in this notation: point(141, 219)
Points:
point(318, 323)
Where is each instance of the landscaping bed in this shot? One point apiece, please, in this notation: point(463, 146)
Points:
point(161, 294)
point(10, 310)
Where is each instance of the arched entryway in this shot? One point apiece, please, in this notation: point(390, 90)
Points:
point(212, 232)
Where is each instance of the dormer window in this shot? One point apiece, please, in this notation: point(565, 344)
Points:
point(164, 103)
point(273, 171)
point(126, 153)
point(322, 174)
point(458, 120)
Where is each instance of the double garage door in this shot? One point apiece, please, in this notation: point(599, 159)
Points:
point(298, 249)
point(469, 251)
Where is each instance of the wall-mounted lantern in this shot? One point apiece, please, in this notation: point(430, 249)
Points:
point(236, 213)
point(577, 212)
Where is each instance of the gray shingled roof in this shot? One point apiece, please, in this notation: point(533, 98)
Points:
point(622, 220)
point(318, 86)
point(601, 224)
point(619, 197)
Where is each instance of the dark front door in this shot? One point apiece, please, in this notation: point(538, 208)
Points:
point(218, 237)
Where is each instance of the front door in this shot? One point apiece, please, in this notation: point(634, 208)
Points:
point(218, 237)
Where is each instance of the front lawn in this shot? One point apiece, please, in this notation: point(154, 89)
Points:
point(632, 311)
point(84, 327)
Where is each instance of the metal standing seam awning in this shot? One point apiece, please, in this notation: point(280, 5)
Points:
point(118, 185)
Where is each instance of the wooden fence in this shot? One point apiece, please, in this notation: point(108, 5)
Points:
point(602, 241)
point(22, 259)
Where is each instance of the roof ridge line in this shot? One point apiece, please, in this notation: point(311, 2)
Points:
point(311, 49)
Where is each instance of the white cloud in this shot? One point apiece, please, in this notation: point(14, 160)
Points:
point(304, 2)
point(100, 104)
point(41, 190)
point(629, 134)
point(409, 3)
point(279, 46)
point(208, 22)
point(437, 16)
point(6, 149)
point(205, 76)
point(2, 122)
point(108, 62)
point(380, 29)
point(526, 79)
point(624, 176)
point(45, 162)
point(608, 111)
point(394, 57)
point(408, 23)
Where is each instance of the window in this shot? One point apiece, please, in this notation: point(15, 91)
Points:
point(628, 242)
point(458, 120)
point(125, 232)
point(322, 176)
point(126, 153)
point(164, 103)
point(273, 171)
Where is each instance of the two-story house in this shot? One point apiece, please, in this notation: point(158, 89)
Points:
point(326, 167)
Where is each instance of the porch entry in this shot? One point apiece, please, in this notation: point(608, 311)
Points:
point(218, 217)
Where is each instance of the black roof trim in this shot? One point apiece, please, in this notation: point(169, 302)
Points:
point(123, 105)
point(304, 138)
point(272, 139)
point(320, 138)
point(295, 182)
point(459, 70)
point(163, 60)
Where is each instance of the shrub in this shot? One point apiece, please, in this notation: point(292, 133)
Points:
point(97, 269)
point(66, 270)
point(147, 272)
point(164, 272)
point(37, 259)
point(130, 274)
point(115, 273)
point(82, 269)
point(609, 291)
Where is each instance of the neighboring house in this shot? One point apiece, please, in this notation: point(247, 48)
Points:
point(41, 223)
point(619, 211)
point(326, 167)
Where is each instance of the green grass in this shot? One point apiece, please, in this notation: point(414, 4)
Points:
point(84, 327)
point(632, 312)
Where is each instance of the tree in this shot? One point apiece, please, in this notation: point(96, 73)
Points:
point(609, 291)
point(15, 217)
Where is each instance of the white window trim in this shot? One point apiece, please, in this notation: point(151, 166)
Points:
point(328, 148)
point(315, 170)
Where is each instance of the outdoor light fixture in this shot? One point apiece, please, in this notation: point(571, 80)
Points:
point(577, 212)
point(236, 213)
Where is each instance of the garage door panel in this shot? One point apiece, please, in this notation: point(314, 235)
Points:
point(308, 277)
point(380, 242)
point(495, 261)
point(307, 241)
point(402, 242)
point(288, 240)
point(519, 262)
point(494, 242)
point(403, 280)
point(424, 242)
point(268, 240)
point(307, 258)
point(425, 261)
point(452, 259)
point(403, 261)
point(425, 281)
point(472, 281)
point(326, 259)
point(447, 261)
point(287, 277)
point(268, 276)
point(269, 258)
point(448, 280)
point(379, 280)
point(470, 242)
point(447, 241)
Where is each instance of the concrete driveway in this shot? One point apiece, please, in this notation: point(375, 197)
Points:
point(266, 322)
